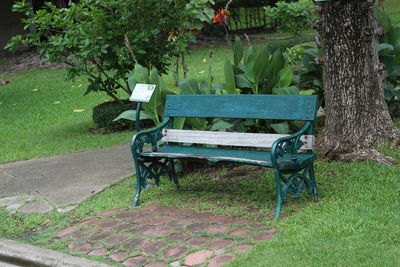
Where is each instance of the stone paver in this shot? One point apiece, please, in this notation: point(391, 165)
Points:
point(241, 232)
point(135, 261)
point(243, 248)
point(175, 252)
point(98, 252)
point(218, 244)
point(264, 236)
point(118, 256)
point(156, 236)
point(198, 241)
point(156, 264)
point(221, 260)
point(198, 257)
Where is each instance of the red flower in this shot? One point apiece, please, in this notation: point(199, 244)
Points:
point(221, 17)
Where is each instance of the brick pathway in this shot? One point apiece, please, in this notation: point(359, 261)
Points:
point(155, 236)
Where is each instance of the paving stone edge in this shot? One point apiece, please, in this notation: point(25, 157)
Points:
point(13, 252)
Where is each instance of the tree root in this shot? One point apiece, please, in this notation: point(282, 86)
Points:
point(367, 154)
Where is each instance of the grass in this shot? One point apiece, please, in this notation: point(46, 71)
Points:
point(355, 223)
point(43, 115)
point(392, 8)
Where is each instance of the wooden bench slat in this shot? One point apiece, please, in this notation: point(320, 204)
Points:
point(229, 138)
point(274, 107)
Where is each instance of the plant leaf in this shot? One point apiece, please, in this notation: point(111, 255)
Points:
point(220, 125)
point(230, 85)
point(242, 82)
point(141, 74)
point(189, 87)
point(131, 81)
point(281, 128)
point(131, 115)
point(292, 90)
point(237, 51)
point(285, 77)
point(178, 123)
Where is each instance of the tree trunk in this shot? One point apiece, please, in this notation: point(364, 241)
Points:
point(357, 116)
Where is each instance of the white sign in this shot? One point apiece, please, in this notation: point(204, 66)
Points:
point(142, 92)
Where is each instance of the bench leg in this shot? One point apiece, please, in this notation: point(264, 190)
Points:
point(172, 173)
point(139, 181)
point(278, 194)
point(313, 182)
point(294, 183)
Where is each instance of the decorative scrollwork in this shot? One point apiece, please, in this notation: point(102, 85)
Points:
point(148, 138)
point(296, 183)
point(289, 145)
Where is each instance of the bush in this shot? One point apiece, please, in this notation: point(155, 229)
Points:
point(104, 114)
point(292, 17)
point(90, 37)
point(287, 43)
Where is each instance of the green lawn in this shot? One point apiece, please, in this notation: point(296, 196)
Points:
point(392, 8)
point(42, 114)
point(356, 222)
point(38, 118)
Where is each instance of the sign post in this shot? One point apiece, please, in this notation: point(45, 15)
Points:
point(141, 94)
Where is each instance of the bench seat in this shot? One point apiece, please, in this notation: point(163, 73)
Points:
point(253, 157)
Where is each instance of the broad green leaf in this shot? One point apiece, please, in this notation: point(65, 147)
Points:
point(242, 82)
point(237, 51)
point(260, 67)
point(131, 115)
point(220, 125)
point(388, 91)
point(285, 77)
point(385, 46)
point(189, 87)
point(204, 88)
point(237, 70)
point(250, 56)
point(275, 65)
point(196, 123)
point(230, 85)
point(281, 128)
point(383, 19)
point(178, 123)
point(131, 81)
point(292, 90)
point(141, 74)
point(249, 60)
point(220, 86)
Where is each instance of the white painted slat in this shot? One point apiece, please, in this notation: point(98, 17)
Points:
point(229, 138)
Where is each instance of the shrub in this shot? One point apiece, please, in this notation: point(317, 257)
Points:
point(287, 43)
point(292, 17)
point(89, 37)
point(104, 114)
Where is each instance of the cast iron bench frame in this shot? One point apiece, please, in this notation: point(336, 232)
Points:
point(290, 157)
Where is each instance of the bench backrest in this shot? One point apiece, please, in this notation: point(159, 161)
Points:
point(273, 107)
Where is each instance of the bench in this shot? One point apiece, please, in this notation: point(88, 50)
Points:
point(290, 156)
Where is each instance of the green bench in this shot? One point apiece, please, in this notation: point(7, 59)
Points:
point(290, 156)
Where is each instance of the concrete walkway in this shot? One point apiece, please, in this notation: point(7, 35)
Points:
point(17, 254)
point(61, 182)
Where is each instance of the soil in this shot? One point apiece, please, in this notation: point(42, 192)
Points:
point(29, 59)
point(23, 60)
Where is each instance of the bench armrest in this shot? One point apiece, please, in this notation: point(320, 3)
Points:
point(288, 145)
point(149, 136)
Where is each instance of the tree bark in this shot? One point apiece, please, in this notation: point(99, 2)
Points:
point(357, 116)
